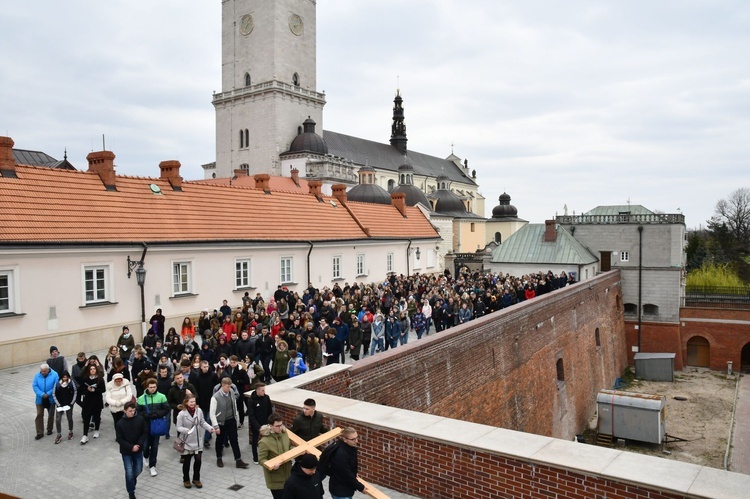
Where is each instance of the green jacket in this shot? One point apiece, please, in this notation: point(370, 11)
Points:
point(270, 446)
point(157, 405)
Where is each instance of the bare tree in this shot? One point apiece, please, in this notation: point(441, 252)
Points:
point(735, 213)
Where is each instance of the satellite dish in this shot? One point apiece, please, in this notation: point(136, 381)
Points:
point(155, 189)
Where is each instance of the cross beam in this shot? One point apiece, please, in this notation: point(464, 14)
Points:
point(310, 447)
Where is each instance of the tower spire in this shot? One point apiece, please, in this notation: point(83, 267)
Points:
point(398, 128)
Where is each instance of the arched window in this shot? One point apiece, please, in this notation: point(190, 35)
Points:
point(247, 79)
point(295, 80)
point(597, 337)
point(391, 184)
point(631, 309)
point(247, 137)
point(299, 130)
point(498, 238)
point(244, 167)
point(242, 139)
point(560, 370)
point(650, 309)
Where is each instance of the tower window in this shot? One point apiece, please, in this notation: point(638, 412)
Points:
point(295, 80)
point(560, 370)
point(244, 138)
point(247, 79)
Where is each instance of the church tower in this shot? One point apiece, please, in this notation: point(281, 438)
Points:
point(268, 83)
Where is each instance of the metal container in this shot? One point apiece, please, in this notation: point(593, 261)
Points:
point(632, 416)
point(654, 366)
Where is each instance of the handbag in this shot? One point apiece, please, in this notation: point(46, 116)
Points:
point(178, 444)
point(157, 426)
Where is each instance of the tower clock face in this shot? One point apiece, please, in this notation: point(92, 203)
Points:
point(246, 24)
point(295, 24)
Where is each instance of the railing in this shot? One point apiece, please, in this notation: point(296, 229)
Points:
point(265, 86)
point(717, 296)
point(340, 172)
point(655, 218)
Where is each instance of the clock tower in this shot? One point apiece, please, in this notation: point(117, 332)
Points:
point(268, 83)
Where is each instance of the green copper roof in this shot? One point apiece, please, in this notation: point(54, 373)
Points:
point(527, 245)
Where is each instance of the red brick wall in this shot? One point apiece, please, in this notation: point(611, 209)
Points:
point(726, 339)
point(500, 370)
point(424, 468)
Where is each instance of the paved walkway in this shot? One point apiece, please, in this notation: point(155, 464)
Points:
point(739, 459)
point(41, 469)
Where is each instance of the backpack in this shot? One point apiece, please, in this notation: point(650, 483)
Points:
point(325, 461)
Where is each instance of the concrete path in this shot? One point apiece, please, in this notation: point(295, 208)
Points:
point(739, 460)
point(41, 469)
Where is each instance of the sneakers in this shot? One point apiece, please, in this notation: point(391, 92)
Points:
point(198, 484)
point(241, 464)
point(70, 435)
point(207, 444)
point(220, 463)
point(186, 484)
point(239, 426)
point(153, 471)
point(255, 461)
point(96, 434)
point(58, 438)
point(84, 440)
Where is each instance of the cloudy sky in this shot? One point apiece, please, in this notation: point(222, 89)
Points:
point(576, 103)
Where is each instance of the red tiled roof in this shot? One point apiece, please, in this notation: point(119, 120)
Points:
point(44, 205)
point(274, 183)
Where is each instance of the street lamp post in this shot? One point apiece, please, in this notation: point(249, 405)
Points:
point(140, 277)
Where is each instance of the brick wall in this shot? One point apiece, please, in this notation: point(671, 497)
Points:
point(727, 331)
point(500, 370)
point(430, 469)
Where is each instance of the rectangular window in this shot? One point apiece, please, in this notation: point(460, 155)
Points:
point(6, 291)
point(389, 262)
point(95, 281)
point(360, 264)
point(242, 273)
point(181, 277)
point(473, 227)
point(337, 267)
point(286, 269)
point(624, 256)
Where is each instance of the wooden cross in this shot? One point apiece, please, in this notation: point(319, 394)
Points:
point(310, 447)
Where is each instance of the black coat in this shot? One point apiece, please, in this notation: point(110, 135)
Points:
point(130, 432)
point(300, 485)
point(344, 468)
point(260, 409)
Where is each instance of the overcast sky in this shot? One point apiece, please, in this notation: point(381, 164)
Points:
point(577, 103)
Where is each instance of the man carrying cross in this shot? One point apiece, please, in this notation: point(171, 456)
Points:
point(274, 442)
point(344, 465)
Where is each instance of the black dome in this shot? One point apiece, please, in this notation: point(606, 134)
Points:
point(414, 195)
point(308, 140)
point(504, 209)
point(449, 203)
point(369, 193)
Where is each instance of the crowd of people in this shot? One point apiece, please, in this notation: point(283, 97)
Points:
point(193, 378)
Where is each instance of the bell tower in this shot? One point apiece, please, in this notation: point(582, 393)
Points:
point(268, 82)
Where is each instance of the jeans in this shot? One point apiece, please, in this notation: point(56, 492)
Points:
point(58, 420)
point(403, 339)
point(254, 438)
point(420, 332)
point(133, 463)
point(376, 343)
point(228, 433)
point(39, 421)
point(151, 450)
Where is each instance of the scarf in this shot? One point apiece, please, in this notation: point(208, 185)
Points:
point(190, 410)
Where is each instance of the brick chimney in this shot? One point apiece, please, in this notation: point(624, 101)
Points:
point(7, 163)
point(550, 231)
point(314, 186)
point(295, 176)
point(170, 170)
point(339, 192)
point(398, 199)
point(262, 181)
point(240, 173)
point(103, 163)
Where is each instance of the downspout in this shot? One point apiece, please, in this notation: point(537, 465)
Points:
point(640, 282)
point(309, 280)
point(408, 249)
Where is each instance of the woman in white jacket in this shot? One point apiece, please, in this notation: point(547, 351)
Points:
point(190, 426)
point(119, 392)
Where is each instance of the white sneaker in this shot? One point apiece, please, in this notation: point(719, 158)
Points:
point(96, 434)
point(153, 471)
point(84, 439)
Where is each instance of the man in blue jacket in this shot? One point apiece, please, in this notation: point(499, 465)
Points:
point(44, 388)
